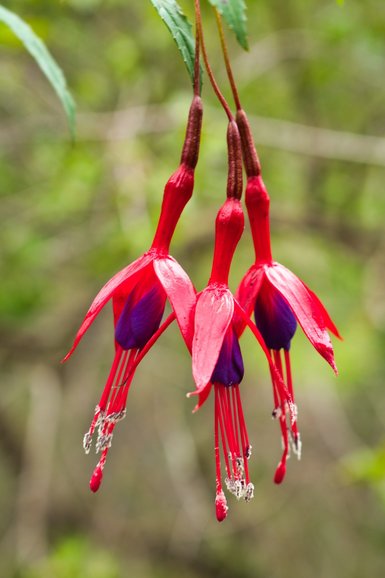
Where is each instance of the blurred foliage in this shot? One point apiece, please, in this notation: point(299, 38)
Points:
point(73, 214)
point(43, 58)
point(75, 558)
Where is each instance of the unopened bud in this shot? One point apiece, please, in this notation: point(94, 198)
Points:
point(235, 177)
point(191, 144)
point(250, 156)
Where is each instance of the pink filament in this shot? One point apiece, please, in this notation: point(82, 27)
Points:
point(284, 401)
point(229, 421)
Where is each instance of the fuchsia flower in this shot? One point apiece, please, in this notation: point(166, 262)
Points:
point(279, 300)
point(139, 294)
point(216, 355)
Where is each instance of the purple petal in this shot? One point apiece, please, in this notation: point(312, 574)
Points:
point(274, 318)
point(229, 368)
point(140, 319)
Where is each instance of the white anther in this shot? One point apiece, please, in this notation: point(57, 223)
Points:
point(249, 492)
point(103, 442)
point(87, 442)
point(276, 413)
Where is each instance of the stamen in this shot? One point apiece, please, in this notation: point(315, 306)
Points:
point(219, 417)
point(276, 413)
point(216, 442)
point(111, 378)
point(103, 442)
point(288, 374)
point(100, 408)
point(110, 410)
point(285, 401)
point(226, 440)
point(115, 392)
point(246, 447)
point(229, 428)
point(296, 444)
point(232, 425)
point(286, 411)
point(112, 406)
point(116, 406)
point(294, 409)
point(229, 420)
point(249, 492)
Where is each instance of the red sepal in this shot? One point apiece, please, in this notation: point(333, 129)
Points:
point(213, 315)
point(180, 292)
point(203, 395)
point(246, 295)
point(106, 293)
point(306, 309)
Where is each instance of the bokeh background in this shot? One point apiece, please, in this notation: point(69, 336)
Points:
point(73, 214)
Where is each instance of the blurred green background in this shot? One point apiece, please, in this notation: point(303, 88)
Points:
point(72, 215)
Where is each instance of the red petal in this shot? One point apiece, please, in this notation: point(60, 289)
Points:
point(106, 293)
point(213, 315)
point(246, 295)
point(180, 292)
point(306, 309)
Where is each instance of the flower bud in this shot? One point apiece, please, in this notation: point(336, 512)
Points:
point(250, 156)
point(234, 179)
point(190, 151)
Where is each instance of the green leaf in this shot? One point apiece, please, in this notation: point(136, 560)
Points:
point(234, 13)
point(43, 58)
point(180, 28)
